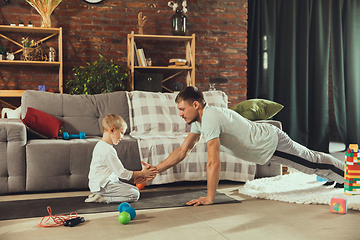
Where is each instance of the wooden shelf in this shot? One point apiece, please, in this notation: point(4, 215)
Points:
point(30, 63)
point(190, 57)
point(5, 28)
point(163, 37)
point(11, 93)
point(51, 32)
point(165, 67)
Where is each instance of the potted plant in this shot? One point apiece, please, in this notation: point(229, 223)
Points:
point(2, 52)
point(103, 76)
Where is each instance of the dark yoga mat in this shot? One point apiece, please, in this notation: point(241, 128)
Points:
point(148, 200)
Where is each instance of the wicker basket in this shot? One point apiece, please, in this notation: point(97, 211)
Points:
point(32, 54)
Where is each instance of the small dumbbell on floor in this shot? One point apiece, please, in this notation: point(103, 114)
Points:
point(67, 136)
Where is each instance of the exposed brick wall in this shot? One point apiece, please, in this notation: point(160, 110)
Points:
point(92, 29)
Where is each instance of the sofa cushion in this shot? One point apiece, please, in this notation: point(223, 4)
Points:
point(12, 156)
point(42, 123)
point(58, 164)
point(80, 113)
point(115, 102)
point(64, 164)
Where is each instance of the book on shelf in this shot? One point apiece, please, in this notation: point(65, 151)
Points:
point(136, 56)
point(142, 57)
point(177, 62)
point(140, 62)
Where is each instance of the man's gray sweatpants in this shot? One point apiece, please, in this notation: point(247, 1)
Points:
point(294, 155)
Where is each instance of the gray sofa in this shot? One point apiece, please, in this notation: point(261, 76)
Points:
point(32, 164)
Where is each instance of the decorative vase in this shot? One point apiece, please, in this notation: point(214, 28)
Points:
point(179, 23)
point(46, 21)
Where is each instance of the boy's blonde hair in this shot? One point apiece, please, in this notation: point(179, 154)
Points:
point(113, 120)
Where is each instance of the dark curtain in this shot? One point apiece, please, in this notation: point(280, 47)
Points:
point(288, 58)
point(345, 56)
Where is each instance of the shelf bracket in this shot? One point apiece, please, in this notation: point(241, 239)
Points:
point(167, 89)
point(12, 106)
point(172, 76)
point(40, 41)
point(9, 39)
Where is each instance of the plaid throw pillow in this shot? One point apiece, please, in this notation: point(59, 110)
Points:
point(157, 112)
point(216, 98)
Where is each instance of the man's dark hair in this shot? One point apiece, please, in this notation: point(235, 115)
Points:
point(190, 94)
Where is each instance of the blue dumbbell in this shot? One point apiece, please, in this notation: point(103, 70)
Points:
point(67, 136)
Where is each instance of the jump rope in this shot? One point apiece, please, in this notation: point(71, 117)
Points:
point(70, 220)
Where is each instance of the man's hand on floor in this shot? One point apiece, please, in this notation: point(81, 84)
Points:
point(200, 201)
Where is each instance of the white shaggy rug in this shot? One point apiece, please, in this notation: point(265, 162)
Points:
point(297, 187)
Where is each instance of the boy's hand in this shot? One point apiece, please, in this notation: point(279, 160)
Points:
point(139, 180)
point(145, 179)
point(149, 172)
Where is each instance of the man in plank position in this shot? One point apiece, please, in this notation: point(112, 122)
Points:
point(255, 142)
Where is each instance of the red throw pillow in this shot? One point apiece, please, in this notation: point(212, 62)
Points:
point(42, 123)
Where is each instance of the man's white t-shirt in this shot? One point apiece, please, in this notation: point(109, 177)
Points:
point(105, 166)
point(240, 137)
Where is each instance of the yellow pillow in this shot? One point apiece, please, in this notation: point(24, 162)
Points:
point(257, 109)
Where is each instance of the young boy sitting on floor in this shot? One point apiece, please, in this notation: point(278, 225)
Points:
point(106, 168)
